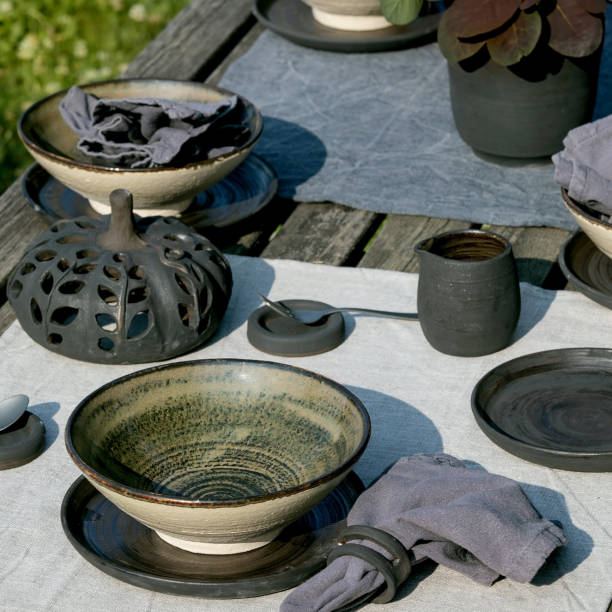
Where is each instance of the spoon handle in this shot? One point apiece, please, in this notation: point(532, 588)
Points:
point(410, 316)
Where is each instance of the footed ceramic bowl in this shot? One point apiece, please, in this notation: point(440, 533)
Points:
point(598, 231)
point(355, 15)
point(156, 191)
point(218, 456)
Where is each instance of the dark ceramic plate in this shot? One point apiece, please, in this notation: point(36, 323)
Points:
point(586, 267)
point(242, 193)
point(124, 548)
point(293, 20)
point(553, 408)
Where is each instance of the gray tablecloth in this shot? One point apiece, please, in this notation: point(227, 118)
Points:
point(375, 131)
point(419, 401)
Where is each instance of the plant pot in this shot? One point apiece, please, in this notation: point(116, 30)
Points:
point(525, 111)
point(355, 15)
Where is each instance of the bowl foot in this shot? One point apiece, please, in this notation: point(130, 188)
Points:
point(164, 210)
point(220, 548)
point(354, 23)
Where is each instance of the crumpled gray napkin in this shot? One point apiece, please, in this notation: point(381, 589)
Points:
point(477, 523)
point(584, 166)
point(151, 132)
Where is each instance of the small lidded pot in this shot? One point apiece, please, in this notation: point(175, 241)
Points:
point(113, 290)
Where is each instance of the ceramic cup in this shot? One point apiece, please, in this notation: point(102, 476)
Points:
point(468, 295)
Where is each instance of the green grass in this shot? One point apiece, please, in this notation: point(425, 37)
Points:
point(48, 45)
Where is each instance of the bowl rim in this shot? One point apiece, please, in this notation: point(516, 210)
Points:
point(150, 496)
point(68, 161)
point(573, 207)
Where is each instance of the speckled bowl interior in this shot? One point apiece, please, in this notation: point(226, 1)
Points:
point(217, 432)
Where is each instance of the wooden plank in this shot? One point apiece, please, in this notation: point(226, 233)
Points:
point(321, 233)
point(7, 316)
point(20, 226)
point(195, 42)
point(535, 250)
point(393, 246)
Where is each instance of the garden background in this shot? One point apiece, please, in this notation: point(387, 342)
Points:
point(48, 45)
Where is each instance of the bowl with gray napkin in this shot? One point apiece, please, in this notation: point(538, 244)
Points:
point(583, 169)
point(164, 141)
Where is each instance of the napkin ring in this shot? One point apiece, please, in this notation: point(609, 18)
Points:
point(394, 571)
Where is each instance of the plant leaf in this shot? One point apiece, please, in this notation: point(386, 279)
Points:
point(469, 18)
point(574, 32)
point(453, 49)
point(595, 6)
point(517, 41)
point(401, 12)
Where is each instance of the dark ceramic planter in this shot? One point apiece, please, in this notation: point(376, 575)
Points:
point(468, 294)
point(525, 112)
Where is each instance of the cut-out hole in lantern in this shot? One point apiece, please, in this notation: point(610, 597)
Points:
point(45, 255)
point(205, 299)
point(86, 253)
point(85, 268)
point(172, 237)
point(64, 315)
point(138, 325)
point(137, 295)
point(107, 296)
point(186, 314)
point(106, 322)
point(63, 265)
point(136, 272)
point(119, 257)
point(106, 344)
point(174, 254)
point(72, 239)
point(183, 283)
point(15, 289)
point(204, 324)
point(112, 273)
point(83, 224)
point(27, 268)
point(71, 287)
point(46, 283)
point(199, 246)
point(35, 311)
point(54, 339)
point(195, 270)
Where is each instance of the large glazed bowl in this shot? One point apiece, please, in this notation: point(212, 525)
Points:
point(218, 456)
point(599, 231)
point(156, 191)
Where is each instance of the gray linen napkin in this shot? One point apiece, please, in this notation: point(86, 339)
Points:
point(151, 132)
point(477, 523)
point(584, 166)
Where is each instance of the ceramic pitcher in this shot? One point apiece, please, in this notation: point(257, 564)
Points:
point(468, 292)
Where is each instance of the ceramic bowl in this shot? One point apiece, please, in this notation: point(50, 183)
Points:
point(218, 456)
point(355, 15)
point(598, 231)
point(156, 191)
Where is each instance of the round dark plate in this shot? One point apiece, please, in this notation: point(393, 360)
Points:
point(553, 408)
point(22, 442)
point(242, 193)
point(124, 548)
point(586, 267)
point(293, 20)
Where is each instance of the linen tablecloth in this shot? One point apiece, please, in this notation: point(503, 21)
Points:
point(418, 399)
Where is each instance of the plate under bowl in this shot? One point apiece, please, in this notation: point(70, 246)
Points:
point(124, 548)
point(553, 408)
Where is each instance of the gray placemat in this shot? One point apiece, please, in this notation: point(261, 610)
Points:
point(375, 131)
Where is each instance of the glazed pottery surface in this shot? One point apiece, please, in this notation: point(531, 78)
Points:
point(355, 15)
point(218, 456)
point(468, 295)
point(600, 232)
point(156, 191)
point(497, 111)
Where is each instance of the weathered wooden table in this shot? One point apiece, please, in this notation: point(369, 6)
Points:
point(199, 44)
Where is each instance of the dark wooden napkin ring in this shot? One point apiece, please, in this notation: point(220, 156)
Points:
point(394, 571)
